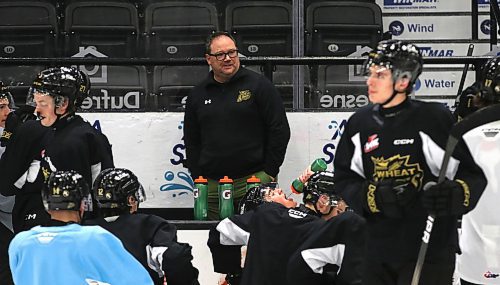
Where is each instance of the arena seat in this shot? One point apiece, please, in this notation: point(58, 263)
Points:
point(19, 80)
point(172, 84)
point(283, 81)
point(28, 29)
point(336, 28)
point(117, 89)
point(340, 28)
point(345, 94)
point(112, 27)
point(261, 28)
point(178, 29)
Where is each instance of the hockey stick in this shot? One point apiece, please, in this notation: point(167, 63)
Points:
point(476, 119)
point(470, 50)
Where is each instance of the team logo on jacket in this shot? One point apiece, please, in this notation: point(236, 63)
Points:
point(372, 143)
point(488, 274)
point(244, 95)
point(398, 167)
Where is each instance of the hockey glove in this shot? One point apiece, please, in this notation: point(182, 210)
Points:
point(177, 265)
point(387, 198)
point(233, 279)
point(14, 120)
point(226, 258)
point(464, 103)
point(447, 198)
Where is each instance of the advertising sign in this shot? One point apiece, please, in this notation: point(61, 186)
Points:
point(429, 27)
point(152, 146)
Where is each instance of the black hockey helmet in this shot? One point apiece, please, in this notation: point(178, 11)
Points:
point(113, 186)
point(320, 183)
point(255, 196)
point(402, 58)
point(60, 83)
point(490, 81)
point(6, 95)
point(65, 191)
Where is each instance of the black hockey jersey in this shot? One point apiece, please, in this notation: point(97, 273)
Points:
point(273, 234)
point(153, 242)
point(36, 151)
point(332, 255)
point(405, 143)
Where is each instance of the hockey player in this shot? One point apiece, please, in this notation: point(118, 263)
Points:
point(6, 202)
point(59, 140)
point(318, 196)
point(272, 227)
point(66, 252)
point(479, 261)
point(150, 239)
point(387, 152)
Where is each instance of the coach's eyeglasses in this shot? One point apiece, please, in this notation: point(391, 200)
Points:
point(222, 55)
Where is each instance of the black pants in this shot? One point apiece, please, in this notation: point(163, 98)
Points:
point(402, 274)
point(5, 237)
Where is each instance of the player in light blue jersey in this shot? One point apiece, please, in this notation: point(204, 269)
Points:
point(66, 252)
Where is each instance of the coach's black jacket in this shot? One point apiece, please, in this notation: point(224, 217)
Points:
point(235, 128)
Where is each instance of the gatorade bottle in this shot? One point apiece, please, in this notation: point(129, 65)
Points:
point(252, 182)
point(226, 207)
point(200, 193)
point(317, 165)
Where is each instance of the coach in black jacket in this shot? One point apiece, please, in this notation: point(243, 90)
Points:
point(235, 123)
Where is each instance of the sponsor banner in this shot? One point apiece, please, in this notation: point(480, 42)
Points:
point(448, 102)
point(151, 145)
point(484, 26)
point(420, 6)
point(451, 49)
point(343, 96)
point(483, 5)
point(429, 28)
point(114, 100)
point(441, 83)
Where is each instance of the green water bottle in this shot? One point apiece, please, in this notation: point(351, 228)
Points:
point(200, 193)
point(225, 188)
point(252, 182)
point(317, 165)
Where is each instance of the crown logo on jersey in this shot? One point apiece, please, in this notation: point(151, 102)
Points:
point(244, 95)
point(399, 168)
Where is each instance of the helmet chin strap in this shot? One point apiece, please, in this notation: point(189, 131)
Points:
point(394, 92)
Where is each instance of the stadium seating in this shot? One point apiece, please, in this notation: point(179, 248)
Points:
point(340, 28)
point(19, 80)
point(178, 29)
point(28, 29)
point(117, 89)
point(283, 81)
point(261, 28)
point(339, 93)
point(172, 84)
point(336, 28)
point(112, 27)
